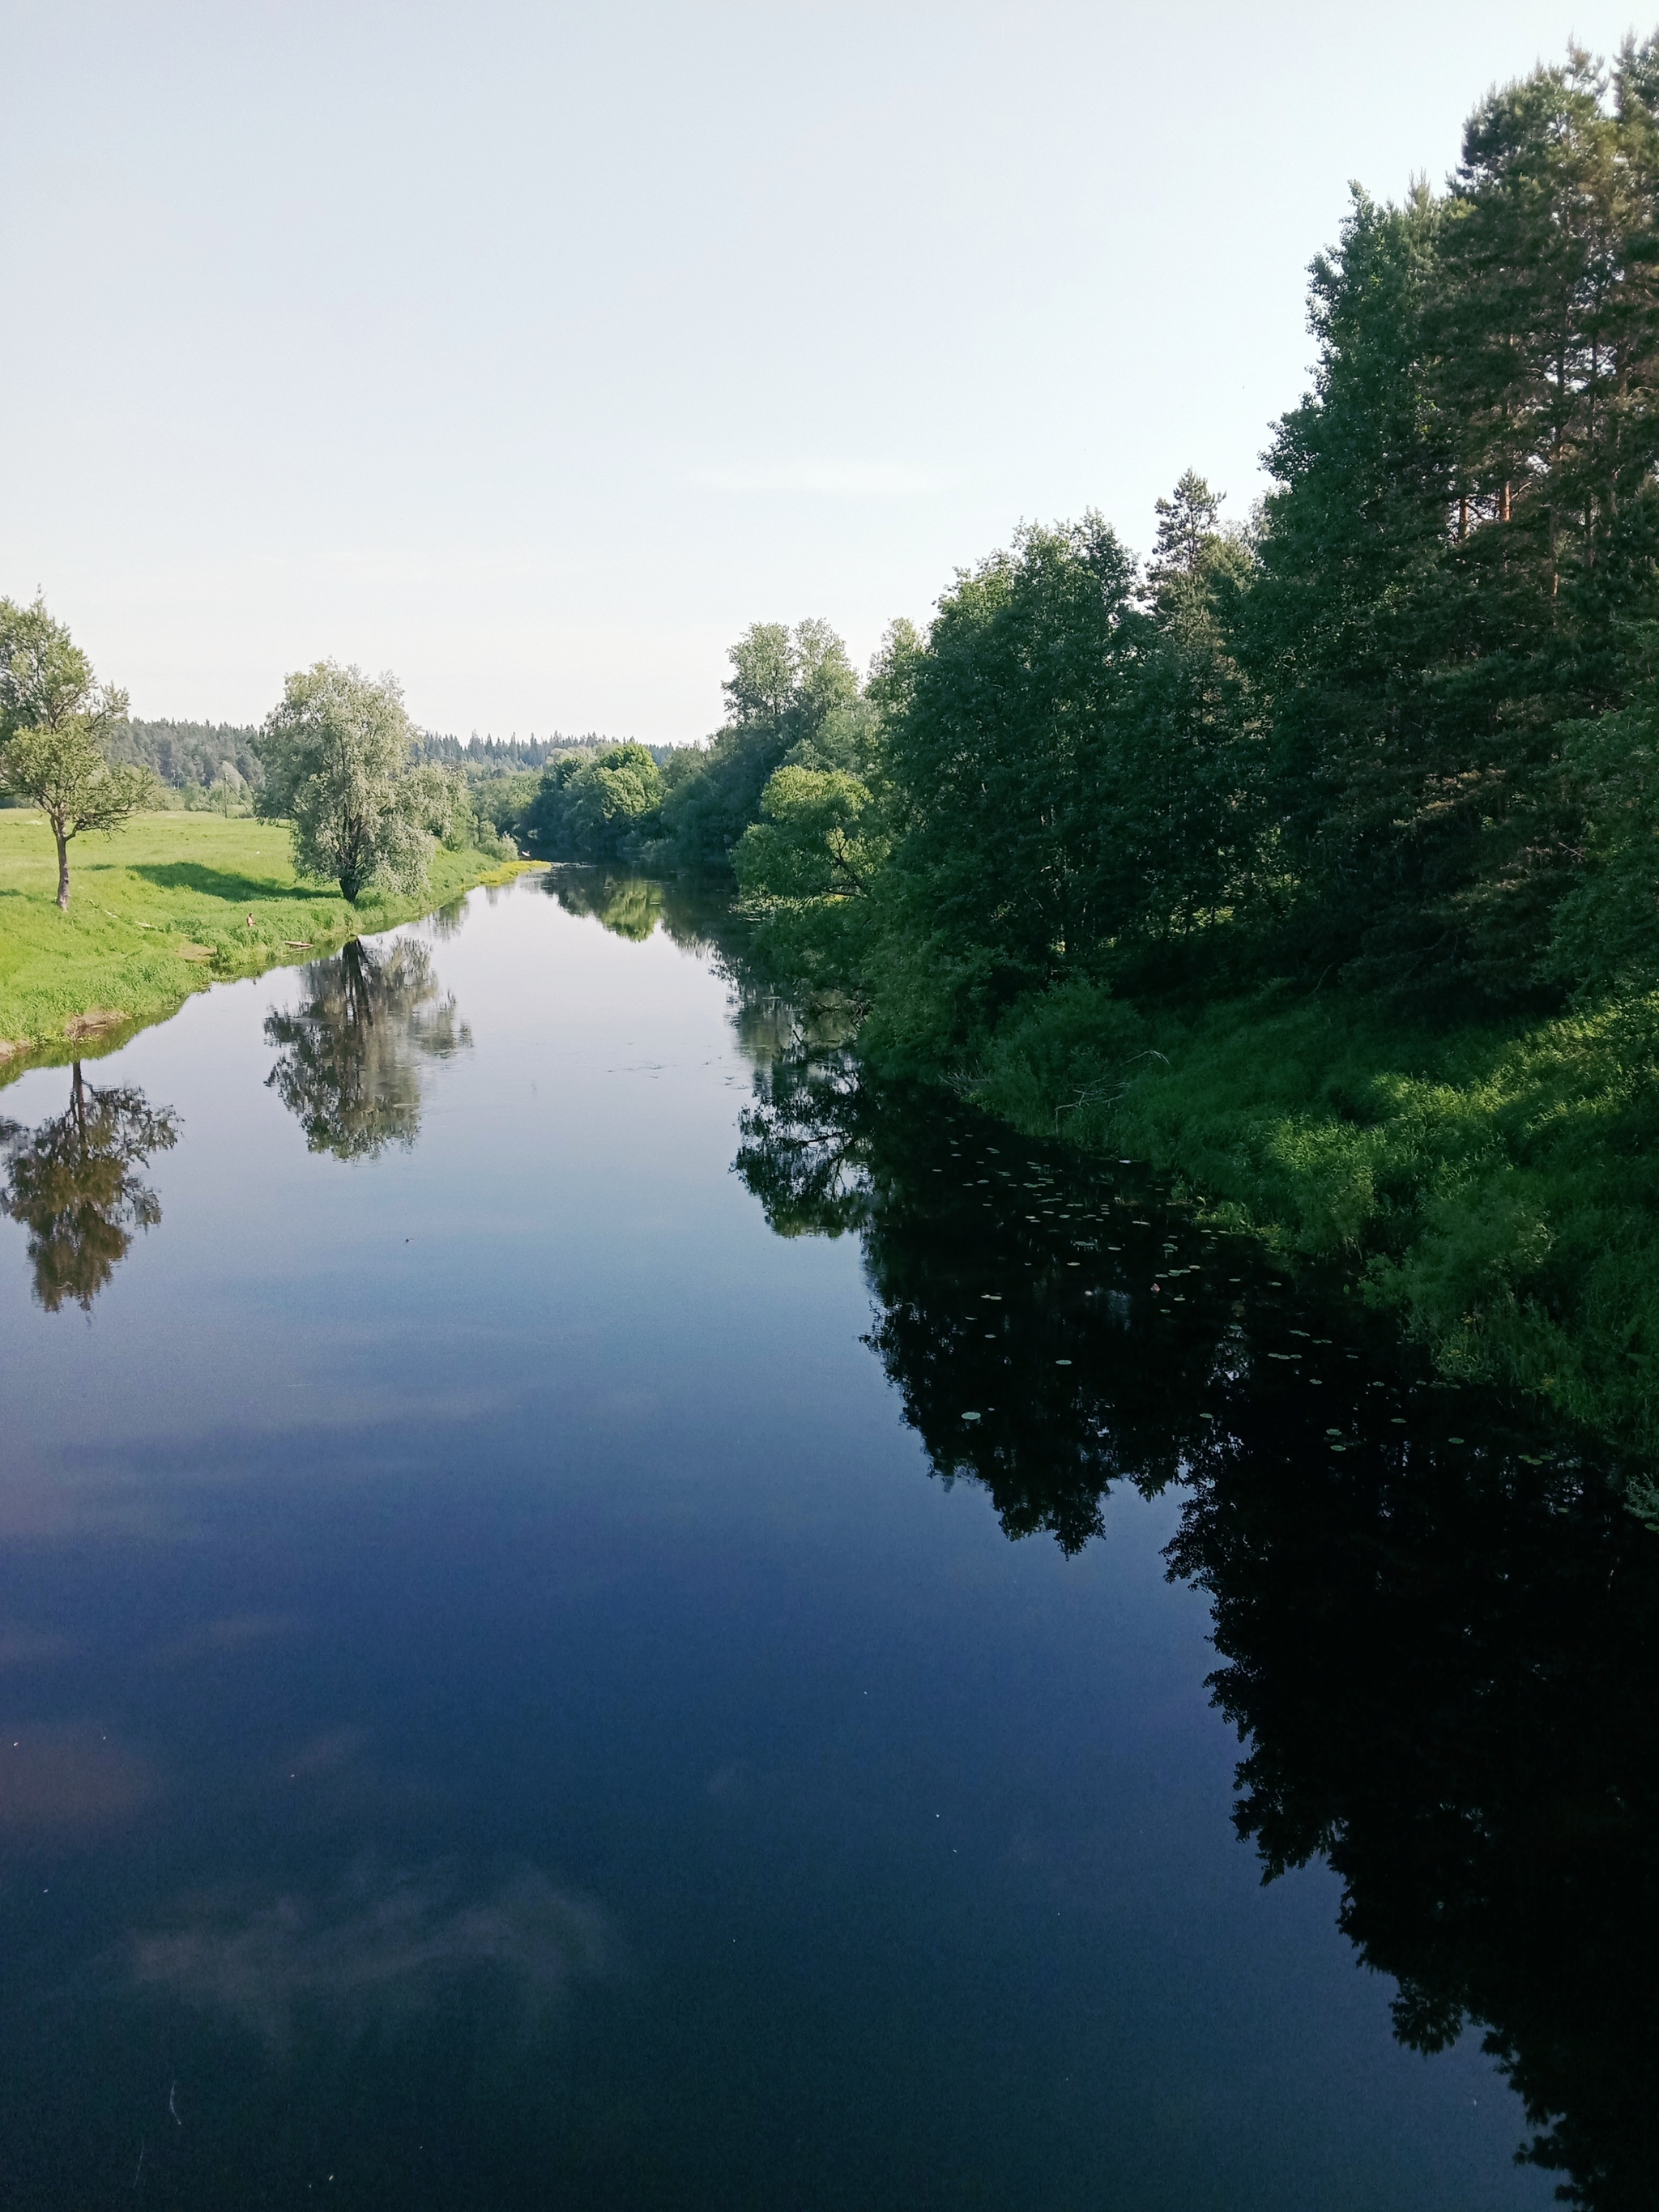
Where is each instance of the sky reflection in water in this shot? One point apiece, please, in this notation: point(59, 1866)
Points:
point(499, 1713)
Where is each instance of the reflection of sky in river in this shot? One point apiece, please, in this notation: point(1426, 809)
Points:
point(498, 1708)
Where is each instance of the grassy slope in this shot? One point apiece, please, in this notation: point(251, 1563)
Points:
point(192, 881)
point(1499, 1185)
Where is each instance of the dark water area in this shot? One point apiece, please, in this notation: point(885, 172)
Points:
point(597, 1611)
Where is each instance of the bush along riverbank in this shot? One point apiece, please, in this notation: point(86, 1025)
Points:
point(164, 906)
point(1495, 1185)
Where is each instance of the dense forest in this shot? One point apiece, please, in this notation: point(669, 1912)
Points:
point(794, 697)
point(1395, 728)
point(490, 756)
point(190, 757)
point(195, 757)
point(1317, 855)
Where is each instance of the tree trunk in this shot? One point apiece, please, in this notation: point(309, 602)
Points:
point(62, 871)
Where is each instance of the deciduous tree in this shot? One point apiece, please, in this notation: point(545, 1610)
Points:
point(336, 756)
point(54, 721)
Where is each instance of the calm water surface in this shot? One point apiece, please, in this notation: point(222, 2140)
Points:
point(593, 1613)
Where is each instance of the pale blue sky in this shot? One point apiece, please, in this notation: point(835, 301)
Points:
point(533, 351)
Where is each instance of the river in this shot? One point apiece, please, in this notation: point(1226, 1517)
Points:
point(599, 1613)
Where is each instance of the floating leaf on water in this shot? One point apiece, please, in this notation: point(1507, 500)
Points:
point(971, 1417)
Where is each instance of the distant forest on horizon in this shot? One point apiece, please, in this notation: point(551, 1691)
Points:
point(188, 755)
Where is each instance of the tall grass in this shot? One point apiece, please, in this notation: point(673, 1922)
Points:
point(1497, 1186)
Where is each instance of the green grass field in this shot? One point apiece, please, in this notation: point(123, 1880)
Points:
point(165, 907)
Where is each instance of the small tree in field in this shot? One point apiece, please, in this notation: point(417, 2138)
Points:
point(54, 720)
point(336, 754)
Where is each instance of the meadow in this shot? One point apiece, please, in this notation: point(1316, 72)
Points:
point(164, 906)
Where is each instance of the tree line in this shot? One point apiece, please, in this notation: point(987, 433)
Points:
point(367, 794)
point(792, 693)
point(1399, 726)
point(491, 756)
point(192, 757)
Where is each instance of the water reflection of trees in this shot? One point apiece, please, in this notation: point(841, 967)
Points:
point(696, 914)
point(74, 1185)
point(987, 1324)
point(350, 1055)
point(628, 906)
point(446, 921)
point(1442, 1669)
point(1436, 1621)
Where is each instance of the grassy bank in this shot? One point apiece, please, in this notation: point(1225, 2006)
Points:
point(165, 907)
point(1497, 1186)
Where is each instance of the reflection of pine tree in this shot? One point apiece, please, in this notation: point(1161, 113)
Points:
point(349, 1058)
point(73, 1183)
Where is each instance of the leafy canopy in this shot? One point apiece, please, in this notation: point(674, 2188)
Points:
point(588, 810)
point(814, 839)
point(785, 688)
point(337, 757)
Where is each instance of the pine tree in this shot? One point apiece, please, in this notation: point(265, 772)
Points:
point(1343, 621)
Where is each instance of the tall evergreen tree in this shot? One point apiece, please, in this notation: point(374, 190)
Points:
point(1189, 777)
point(1341, 621)
point(1460, 555)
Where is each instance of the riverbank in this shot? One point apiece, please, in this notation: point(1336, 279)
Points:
point(167, 906)
point(1496, 1186)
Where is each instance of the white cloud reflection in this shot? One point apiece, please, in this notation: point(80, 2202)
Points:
point(383, 1948)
